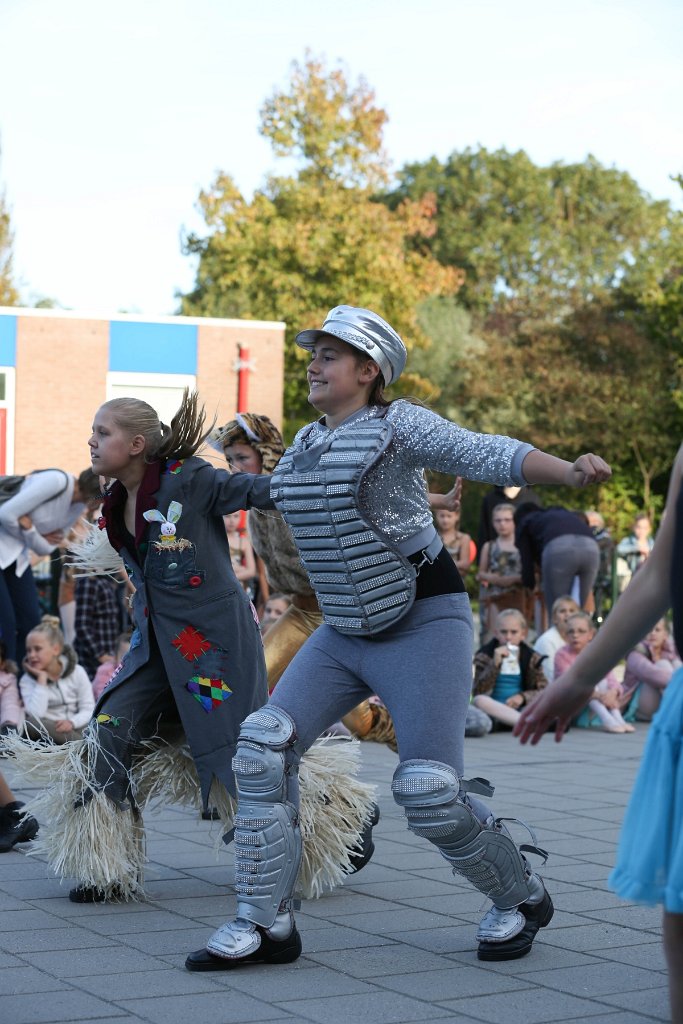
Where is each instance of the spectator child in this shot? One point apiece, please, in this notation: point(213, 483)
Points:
point(649, 668)
point(56, 691)
point(11, 711)
point(500, 567)
point(608, 692)
point(276, 606)
point(507, 672)
point(109, 668)
point(457, 544)
point(549, 643)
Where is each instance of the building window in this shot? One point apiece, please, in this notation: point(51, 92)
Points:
point(163, 391)
point(6, 419)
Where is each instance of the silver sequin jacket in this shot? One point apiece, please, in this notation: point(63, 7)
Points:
point(394, 494)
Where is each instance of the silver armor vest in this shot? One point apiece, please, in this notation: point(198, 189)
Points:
point(363, 582)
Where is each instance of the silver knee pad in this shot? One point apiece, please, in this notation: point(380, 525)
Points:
point(267, 836)
point(436, 807)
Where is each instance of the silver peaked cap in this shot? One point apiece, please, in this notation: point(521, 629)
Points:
point(366, 331)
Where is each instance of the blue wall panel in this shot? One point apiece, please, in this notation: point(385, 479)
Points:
point(152, 348)
point(8, 340)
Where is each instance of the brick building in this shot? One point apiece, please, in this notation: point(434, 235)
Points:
point(57, 367)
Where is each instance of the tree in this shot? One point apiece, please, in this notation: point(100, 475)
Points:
point(309, 241)
point(538, 240)
point(8, 293)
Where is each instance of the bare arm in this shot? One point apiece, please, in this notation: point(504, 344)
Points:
point(541, 468)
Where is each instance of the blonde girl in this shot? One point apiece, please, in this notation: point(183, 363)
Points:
point(55, 690)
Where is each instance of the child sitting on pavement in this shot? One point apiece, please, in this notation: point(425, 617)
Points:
point(507, 672)
point(608, 693)
point(11, 711)
point(55, 689)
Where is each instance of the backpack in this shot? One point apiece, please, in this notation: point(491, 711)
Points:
point(11, 485)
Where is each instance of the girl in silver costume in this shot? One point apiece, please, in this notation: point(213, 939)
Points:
point(397, 623)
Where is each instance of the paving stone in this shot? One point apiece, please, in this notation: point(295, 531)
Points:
point(202, 1006)
point(145, 984)
point(450, 983)
point(526, 1006)
point(64, 1005)
point(375, 1008)
point(598, 979)
point(15, 980)
point(310, 978)
point(378, 961)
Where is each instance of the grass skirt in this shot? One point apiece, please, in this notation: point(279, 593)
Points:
point(85, 836)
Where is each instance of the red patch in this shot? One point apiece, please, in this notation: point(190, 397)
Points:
point(190, 643)
point(101, 522)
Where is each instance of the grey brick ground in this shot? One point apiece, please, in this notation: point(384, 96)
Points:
point(395, 945)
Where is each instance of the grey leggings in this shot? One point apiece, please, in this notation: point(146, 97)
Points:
point(421, 669)
point(564, 558)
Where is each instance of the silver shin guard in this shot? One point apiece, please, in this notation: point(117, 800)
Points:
point(267, 836)
point(436, 807)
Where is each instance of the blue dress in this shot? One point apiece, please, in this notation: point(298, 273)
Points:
point(649, 866)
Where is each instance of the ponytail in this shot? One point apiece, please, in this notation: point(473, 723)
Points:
point(182, 439)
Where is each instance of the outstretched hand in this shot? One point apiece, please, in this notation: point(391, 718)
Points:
point(588, 469)
point(558, 704)
point(452, 498)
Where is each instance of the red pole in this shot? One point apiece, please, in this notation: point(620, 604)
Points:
point(242, 396)
point(242, 378)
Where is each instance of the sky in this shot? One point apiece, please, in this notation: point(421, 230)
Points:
point(113, 116)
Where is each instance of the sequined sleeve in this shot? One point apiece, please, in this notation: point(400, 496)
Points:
point(436, 443)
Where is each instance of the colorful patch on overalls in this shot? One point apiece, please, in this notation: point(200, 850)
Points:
point(174, 467)
point(108, 720)
point(209, 692)
point(190, 643)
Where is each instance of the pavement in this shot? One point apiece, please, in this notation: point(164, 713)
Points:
point(395, 945)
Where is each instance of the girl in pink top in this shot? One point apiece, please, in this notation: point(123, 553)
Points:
point(11, 709)
point(608, 694)
point(649, 667)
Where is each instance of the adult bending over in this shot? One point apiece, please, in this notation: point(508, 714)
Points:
point(35, 519)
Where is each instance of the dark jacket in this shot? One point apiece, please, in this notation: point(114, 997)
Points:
point(187, 592)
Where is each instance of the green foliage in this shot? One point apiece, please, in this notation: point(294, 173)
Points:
point(304, 244)
point(334, 131)
point(535, 239)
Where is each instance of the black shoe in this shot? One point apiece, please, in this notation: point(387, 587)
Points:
point(91, 894)
point(270, 951)
point(536, 915)
point(15, 827)
point(366, 847)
